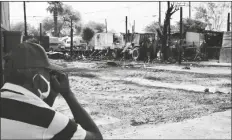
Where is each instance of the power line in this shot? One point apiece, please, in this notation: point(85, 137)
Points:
point(114, 8)
point(142, 3)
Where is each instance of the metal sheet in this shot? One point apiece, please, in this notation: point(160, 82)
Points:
point(225, 55)
point(226, 43)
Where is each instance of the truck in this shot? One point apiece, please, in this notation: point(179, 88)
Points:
point(198, 45)
point(134, 45)
point(78, 43)
point(117, 47)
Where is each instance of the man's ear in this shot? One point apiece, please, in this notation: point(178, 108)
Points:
point(35, 86)
point(35, 81)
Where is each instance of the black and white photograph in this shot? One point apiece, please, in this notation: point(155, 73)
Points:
point(115, 69)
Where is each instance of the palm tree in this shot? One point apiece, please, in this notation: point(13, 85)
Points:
point(55, 8)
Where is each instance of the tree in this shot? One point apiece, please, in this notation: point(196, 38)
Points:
point(192, 25)
point(64, 22)
point(213, 13)
point(32, 31)
point(68, 14)
point(19, 26)
point(97, 27)
point(48, 26)
point(87, 34)
point(162, 32)
point(55, 8)
point(152, 27)
point(78, 28)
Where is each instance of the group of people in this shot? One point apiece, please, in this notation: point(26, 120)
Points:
point(32, 84)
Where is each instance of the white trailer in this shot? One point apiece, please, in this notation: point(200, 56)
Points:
point(102, 41)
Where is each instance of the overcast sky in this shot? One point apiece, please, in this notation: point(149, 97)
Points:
point(142, 12)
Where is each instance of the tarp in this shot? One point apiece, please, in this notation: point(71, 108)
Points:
point(226, 43)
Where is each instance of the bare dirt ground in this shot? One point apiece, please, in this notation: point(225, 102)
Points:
point(119, 98)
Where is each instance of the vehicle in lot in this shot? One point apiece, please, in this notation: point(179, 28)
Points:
point(55, 44)
point(78, 44)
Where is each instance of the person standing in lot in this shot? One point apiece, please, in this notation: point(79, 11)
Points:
point(180, 50)
point(32, 85)
point(148, 49)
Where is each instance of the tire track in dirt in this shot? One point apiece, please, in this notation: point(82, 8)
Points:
point(186, 87)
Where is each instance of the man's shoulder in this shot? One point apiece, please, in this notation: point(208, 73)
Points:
point(23, 98)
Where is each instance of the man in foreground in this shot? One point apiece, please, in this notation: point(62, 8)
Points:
point(32, 84)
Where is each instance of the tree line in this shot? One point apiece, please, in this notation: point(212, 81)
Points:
point(211, 14)
point(59, 24)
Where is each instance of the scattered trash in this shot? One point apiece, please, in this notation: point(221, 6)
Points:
point(55, 55)
point(207, 90)
point(111, 63)
point(219, 92)
point(136, 123)
point(186, 67)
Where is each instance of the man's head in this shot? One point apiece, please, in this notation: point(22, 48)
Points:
point(28, 65)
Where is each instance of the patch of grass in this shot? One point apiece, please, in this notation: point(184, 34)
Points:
point(94, 113)
point(82, 74)
point(130, 83)
point(226, 85)
point(153, 78)
point(163, 105)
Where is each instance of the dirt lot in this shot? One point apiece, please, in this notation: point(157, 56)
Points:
point(121, 97)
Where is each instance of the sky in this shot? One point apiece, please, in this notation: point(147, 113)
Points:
point(143, 13)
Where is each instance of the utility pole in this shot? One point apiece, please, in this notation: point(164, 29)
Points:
point(134, 27)
point(106, 25)
point(181, 23)
point(189, 9)
point(71, 45)
point(129, 39)
point(169, 26)
point(180, 45)
point(126, 28)
point(25, 18)
point(40, 33)
point(228, 23)
point(159, 12)
point(1, 49)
